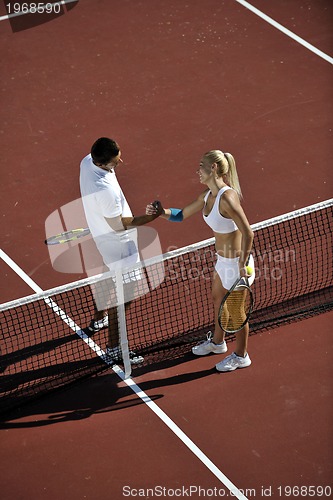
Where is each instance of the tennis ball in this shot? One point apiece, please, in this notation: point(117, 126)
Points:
point(249, 270)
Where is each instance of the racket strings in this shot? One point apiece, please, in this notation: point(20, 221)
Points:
point(67, 236)
point(236, 310)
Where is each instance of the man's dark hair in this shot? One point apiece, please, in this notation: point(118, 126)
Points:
point(103, 150)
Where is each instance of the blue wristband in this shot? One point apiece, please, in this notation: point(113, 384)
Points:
point(176, 215)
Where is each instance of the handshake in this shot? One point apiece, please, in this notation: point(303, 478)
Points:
point(155, 208)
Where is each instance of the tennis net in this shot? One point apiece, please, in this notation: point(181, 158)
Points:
point(45, 343)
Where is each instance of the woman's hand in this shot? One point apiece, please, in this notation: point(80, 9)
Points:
point(154, 208)
point(243, 272)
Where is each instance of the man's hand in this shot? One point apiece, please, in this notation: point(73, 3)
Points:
point(155, 208)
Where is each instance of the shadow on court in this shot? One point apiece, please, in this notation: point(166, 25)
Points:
point(100, 394)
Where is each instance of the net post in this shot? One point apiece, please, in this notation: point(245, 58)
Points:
point(123, 340)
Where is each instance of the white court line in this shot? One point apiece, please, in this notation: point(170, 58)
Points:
point(131, 384)
point(246, 4)
point(286, 31)
point(53, 305)
point(23, 13)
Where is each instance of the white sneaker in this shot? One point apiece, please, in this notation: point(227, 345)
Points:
point(208, 346)
point(115, 354)
point(97, 325)
point(233, 362)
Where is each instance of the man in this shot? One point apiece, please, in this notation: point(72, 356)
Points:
point(112, 226)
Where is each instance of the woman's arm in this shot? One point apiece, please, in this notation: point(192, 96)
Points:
point(177, 214)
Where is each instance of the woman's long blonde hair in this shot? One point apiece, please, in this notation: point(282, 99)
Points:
point(226, 166)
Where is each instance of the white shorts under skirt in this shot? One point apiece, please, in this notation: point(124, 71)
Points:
point(228, 270)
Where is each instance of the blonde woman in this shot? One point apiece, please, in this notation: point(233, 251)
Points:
point(222, 211)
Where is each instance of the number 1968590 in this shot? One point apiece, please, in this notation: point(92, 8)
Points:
point(33, 8)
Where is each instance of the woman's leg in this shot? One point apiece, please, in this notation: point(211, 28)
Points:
point(218, 292)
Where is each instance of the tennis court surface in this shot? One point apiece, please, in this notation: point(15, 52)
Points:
point(169, 80)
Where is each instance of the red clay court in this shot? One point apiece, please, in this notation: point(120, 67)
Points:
point(169, 80)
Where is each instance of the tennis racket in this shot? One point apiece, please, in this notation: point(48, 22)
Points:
point(236, 306)
point(73, 234)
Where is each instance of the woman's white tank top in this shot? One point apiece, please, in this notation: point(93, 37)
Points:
point(215, 220)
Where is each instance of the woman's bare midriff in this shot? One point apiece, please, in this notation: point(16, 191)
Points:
point(228, 245)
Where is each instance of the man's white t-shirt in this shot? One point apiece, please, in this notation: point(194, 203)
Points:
point(102, 197)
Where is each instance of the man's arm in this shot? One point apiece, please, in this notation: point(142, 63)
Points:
point(139, 220)
point(121, 223)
